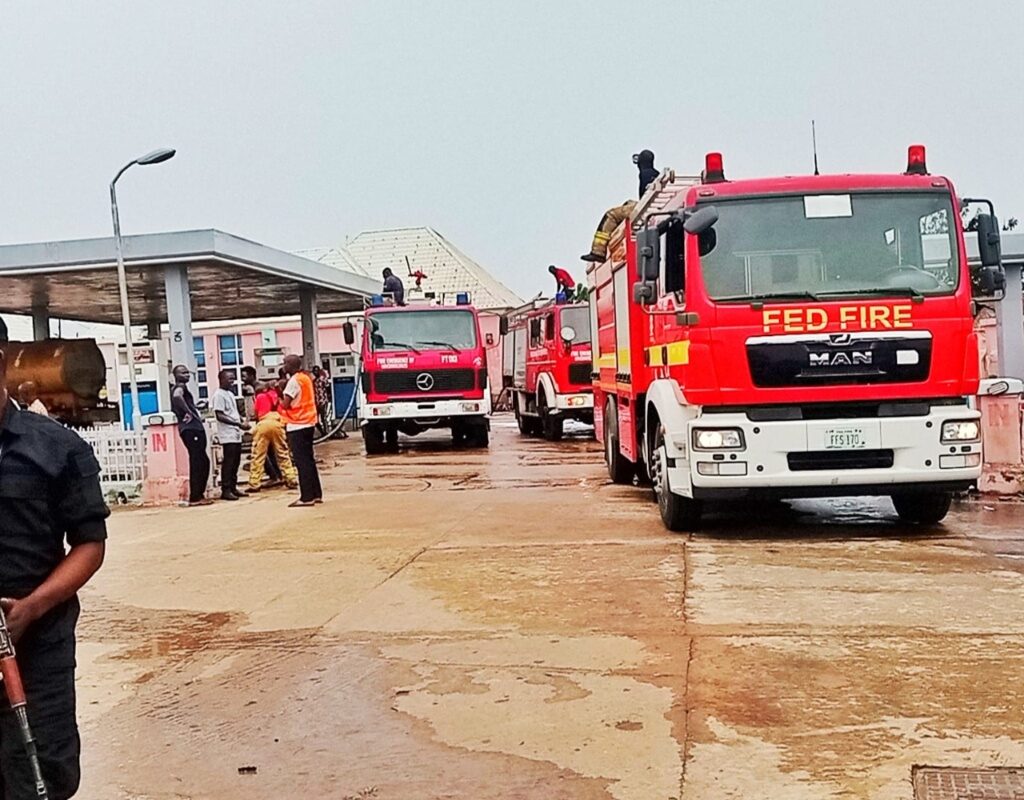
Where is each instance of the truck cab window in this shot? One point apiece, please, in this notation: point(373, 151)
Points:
point(549, 327)
point(535, 332)
point(673, 277)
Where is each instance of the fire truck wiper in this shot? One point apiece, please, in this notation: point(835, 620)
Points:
point(449, 345)
point(404, 346)
point(896, 291)
point(770, 297)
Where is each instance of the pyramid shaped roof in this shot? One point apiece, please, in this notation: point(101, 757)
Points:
point(447, 268)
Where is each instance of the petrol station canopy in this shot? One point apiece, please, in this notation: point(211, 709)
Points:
point(228, 277)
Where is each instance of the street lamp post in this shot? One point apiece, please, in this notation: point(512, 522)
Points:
point(122, 279)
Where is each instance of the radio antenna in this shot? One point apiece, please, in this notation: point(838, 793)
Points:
point(814, 145)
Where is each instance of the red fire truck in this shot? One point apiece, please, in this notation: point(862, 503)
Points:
point(547, 366)
point(792, 337)
point(422, 367)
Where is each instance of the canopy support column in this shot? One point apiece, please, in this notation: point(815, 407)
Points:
point(179, 315)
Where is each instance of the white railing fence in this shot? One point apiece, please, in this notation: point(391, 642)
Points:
point(122, 457)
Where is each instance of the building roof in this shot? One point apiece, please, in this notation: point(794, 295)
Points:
point(229, 277)
point(333, 257)
point(448, 269)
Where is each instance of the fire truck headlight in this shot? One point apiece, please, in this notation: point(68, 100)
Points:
point(966, 430)
point(718, 439)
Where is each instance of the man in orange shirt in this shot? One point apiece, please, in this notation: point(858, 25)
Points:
point(298, 408)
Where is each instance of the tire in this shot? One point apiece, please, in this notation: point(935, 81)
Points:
point(527, 424)
point(922, 508)
point(481, 437)
point(551, 426)
point(678, 514)
point(391, 437)
point(620, 468)
point(373, 440)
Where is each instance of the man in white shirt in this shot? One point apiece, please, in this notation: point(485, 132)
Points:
point(28, 396)
point(229, 433)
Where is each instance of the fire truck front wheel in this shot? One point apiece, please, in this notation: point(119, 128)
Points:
point(620, 468)
point(373, 439)
point(551, 425)
point(678, 513)
point(922, 508)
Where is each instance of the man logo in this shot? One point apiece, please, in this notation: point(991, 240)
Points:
point(850, 358)
point(424, 381)
point(839, 339)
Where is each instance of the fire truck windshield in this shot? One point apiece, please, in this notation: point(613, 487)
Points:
point(578, 319)
point(903, 243)
point(422, 330)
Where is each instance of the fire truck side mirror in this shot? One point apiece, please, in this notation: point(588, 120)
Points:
point(503, 326)
point(643, 293)
point(648, 248)
point(989, 246)
point(349, 332)
point(988, 283)
point(701, 220)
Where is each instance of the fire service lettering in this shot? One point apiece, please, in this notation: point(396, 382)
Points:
point(845, 318)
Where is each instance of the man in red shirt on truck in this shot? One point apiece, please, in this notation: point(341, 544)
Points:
point(563, 281)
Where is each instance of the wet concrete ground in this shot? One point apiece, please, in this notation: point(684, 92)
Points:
point(508, 624)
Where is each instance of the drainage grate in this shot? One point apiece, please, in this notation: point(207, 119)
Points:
point(947, 783)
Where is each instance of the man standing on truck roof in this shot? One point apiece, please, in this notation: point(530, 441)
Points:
point(563, 281)
point(393, 286)
point(52, 540)
point(614, 217)
point(644, 161)
point(298, 407)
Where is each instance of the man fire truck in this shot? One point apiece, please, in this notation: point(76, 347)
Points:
point(788, 337)
point(423, 367)
point(547, 366)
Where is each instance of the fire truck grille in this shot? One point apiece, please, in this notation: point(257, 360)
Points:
point(429, 381)
point(838, 359)
point(579, 374)
point(840, 459)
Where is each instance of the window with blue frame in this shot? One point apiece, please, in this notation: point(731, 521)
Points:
point(230, 346)
point(202, 384)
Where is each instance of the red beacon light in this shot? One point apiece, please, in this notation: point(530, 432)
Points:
point(916, 161)
point(714, 171)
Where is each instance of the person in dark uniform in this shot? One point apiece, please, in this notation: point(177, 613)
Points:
point(393, 286)
point(50, 497)
point(193, 436)
point(644, 161)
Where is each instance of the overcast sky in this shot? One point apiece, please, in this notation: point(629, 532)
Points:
point(507, 126)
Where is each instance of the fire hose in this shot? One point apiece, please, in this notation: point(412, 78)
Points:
point(15, 691)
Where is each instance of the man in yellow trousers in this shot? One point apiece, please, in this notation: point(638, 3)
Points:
point(268, 434)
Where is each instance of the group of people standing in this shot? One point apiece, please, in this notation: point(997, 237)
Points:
point(282, 422)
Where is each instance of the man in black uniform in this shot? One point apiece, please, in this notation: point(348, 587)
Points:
point(49, 495)
point(193, 436)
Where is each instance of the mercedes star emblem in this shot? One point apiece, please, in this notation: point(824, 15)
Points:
point(424, 381)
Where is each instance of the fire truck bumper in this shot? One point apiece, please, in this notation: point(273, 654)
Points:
point(575, 402)
point(832, 457)
point(424, 410)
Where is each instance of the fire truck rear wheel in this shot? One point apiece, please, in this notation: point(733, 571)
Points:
point(620, 468)
point(373, 439)
point(678, 513)
point(924, 508)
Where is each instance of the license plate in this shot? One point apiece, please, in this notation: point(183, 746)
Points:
point(845, 439)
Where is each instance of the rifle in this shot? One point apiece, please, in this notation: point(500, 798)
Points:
point(15, 691)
